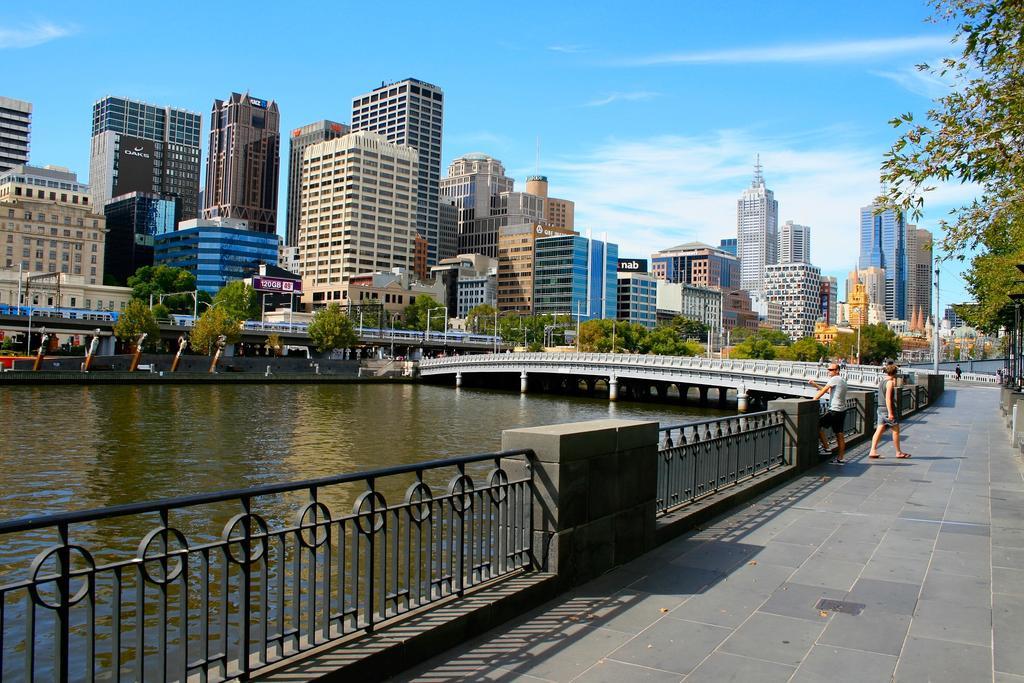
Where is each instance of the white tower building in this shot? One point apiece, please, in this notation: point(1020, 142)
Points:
point(794, 243)
point(757, 232)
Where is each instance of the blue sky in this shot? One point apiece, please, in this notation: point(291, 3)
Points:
point(649, 115)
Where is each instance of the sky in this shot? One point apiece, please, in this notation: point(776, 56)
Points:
point(649, 116)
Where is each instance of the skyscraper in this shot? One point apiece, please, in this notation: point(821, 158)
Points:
point(347, 227)
point(797, 288)
point(757, 231)
point(15, 127)
point(883, 244)
point(794, 243)
point(300, 139)
point(411, 112)
point(919, 272)
point(139, 147)
point(245, 160)
point(473, 184)
point(577, 275)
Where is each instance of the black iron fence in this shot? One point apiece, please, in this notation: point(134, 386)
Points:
point(701, 458)
point(281, 570)
point(853, 418)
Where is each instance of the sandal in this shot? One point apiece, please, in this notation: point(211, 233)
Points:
point(903, 455)
point(876, 456)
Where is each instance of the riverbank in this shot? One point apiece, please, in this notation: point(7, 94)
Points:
point(150, 378)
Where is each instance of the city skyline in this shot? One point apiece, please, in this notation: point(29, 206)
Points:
point(616, 132)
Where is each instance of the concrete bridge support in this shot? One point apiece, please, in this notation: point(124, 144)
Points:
point(591, 383)
point(458, 379)
point(723, 395)
point(613, 388)
point(703, 392)
point(523, 382)
point(662, 390)
point(106, 347)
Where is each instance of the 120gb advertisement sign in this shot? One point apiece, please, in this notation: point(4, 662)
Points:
point(134, 166)
point(276, 284)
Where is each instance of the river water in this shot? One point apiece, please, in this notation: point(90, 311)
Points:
point(81, 447)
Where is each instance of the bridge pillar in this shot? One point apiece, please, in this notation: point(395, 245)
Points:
point(723, 395)
point(107, 346)
point(662, 390)
point(613, 389)
point(703, 391)
point(594, 496)
point(684, 391)
point(742, 400)
point(591, 383)
point(523, 382)
point(458, 379)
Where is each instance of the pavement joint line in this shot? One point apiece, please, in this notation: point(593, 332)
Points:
point(942, 521)
point(619, 661)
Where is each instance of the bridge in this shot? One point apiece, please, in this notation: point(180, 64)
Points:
point(637, 375)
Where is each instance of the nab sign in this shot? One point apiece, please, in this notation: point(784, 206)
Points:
point(632, 265)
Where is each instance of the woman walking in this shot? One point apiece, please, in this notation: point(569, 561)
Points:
point(888, 413)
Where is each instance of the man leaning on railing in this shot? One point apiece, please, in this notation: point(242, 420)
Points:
point(835, 418)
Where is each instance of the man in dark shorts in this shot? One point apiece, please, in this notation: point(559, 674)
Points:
point(836, 415)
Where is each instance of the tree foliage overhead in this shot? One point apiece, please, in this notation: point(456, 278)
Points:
point(331, 329)
point(480, 319)
point(416, 314)
point(240, 300)
point(973, 134)
point(134, 320)
point(214, 321)
point(152, 281)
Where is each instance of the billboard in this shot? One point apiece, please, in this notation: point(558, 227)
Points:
point(632, 265)
point(134, 166)
point(258, 103)
point(276, 284)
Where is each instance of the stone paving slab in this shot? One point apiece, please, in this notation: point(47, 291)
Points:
point(927, 555)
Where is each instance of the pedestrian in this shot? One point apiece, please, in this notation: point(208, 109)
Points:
point(835, 416)
point(958, 371)
point(842, 364)
point(888, 413)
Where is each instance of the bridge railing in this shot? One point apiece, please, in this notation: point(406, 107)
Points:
point(701, 458)
point(281, 570)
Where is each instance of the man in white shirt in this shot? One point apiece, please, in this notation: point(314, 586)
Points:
point(834, 418)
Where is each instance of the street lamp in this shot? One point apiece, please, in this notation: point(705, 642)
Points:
point(1015, 345)
point(429, 311)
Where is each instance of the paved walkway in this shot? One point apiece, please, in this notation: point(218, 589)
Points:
point(926, 556)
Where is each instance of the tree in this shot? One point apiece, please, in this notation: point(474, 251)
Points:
point(152, 281)
point(878, 342)
point(844, 346)
point(808, 350)
point(211, 324)
point(239, 300)
point(754, 347)
point(480, 319)
point(134, 320)
point(274, 344)
point(666, 341)
point(331, 329)
point(688, 327)
point(161, 312)
point(416, 314)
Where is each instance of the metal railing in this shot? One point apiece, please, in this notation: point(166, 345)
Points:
point(853, 417)
point(220, 585)
point(701, 458)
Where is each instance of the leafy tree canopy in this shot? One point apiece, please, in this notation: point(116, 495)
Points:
point(152, 281)
point(239, 300)
point(214, 321)
point(480, 319)
point(416, 314)
point(331, 329)
point(134, 320)
point(666, 341)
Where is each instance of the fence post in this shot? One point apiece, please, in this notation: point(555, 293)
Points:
point(801, 423)
point(595, 486)
point(866, 406)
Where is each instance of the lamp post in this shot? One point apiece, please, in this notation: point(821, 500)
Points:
point(1015, 341)
point(427, 331)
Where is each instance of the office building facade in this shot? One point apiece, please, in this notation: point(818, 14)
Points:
point(216, 250)
point(49, 225)
point(757, 232)
point(829, 299)
point(300, 139)
point(796, 287)
point(139, 147)
point(702, 304)
point(919, 272)
point(883, 242)
point(560, 213)
point(638, 298)
point(473, 186)
point(698, 264)
point(133, 222)
point(358, 210)
point(728, 245)
point(411, 113)
point(244, 163)
point(575, 275)
point(15, 132)
point(454, 272)
point(794, 243)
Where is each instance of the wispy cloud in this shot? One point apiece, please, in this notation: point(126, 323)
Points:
point(840, 51)
point(567, 49)
point(621, 97)
point(923, 83)
point(12, 37)
point(649, 194)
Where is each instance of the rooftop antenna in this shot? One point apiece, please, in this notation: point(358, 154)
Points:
point(758, 175)
point(538, 155)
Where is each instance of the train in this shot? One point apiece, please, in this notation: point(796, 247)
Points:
point(64, 313)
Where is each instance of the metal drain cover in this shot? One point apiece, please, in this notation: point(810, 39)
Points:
point(852, 608)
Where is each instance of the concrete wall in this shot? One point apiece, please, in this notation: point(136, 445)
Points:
point(254, 364)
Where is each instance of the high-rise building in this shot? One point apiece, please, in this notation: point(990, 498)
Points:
point(15, 132)
point(473, 186)
point(919, 273)
point(516, 251)
point(216, 250)
point(133, 222)
point(728, 245)
point(245, 162)
point(794, 243)
point(796, 287)
point(703, 304)
point(411, 112)
point(883, 242)
point(50, 224)
point(469, 280)
point(358, 214)
point(300, 139)
point(575, 275)
point(638, 298)
point(757, 232)
point(139, 147)
point(560, 213)
point(829, 299)
point(697, 264)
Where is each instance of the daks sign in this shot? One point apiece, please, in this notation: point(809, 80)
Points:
point(134, 166)
point(632, 265)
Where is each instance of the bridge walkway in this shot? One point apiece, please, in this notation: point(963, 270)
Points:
point(925, 558)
